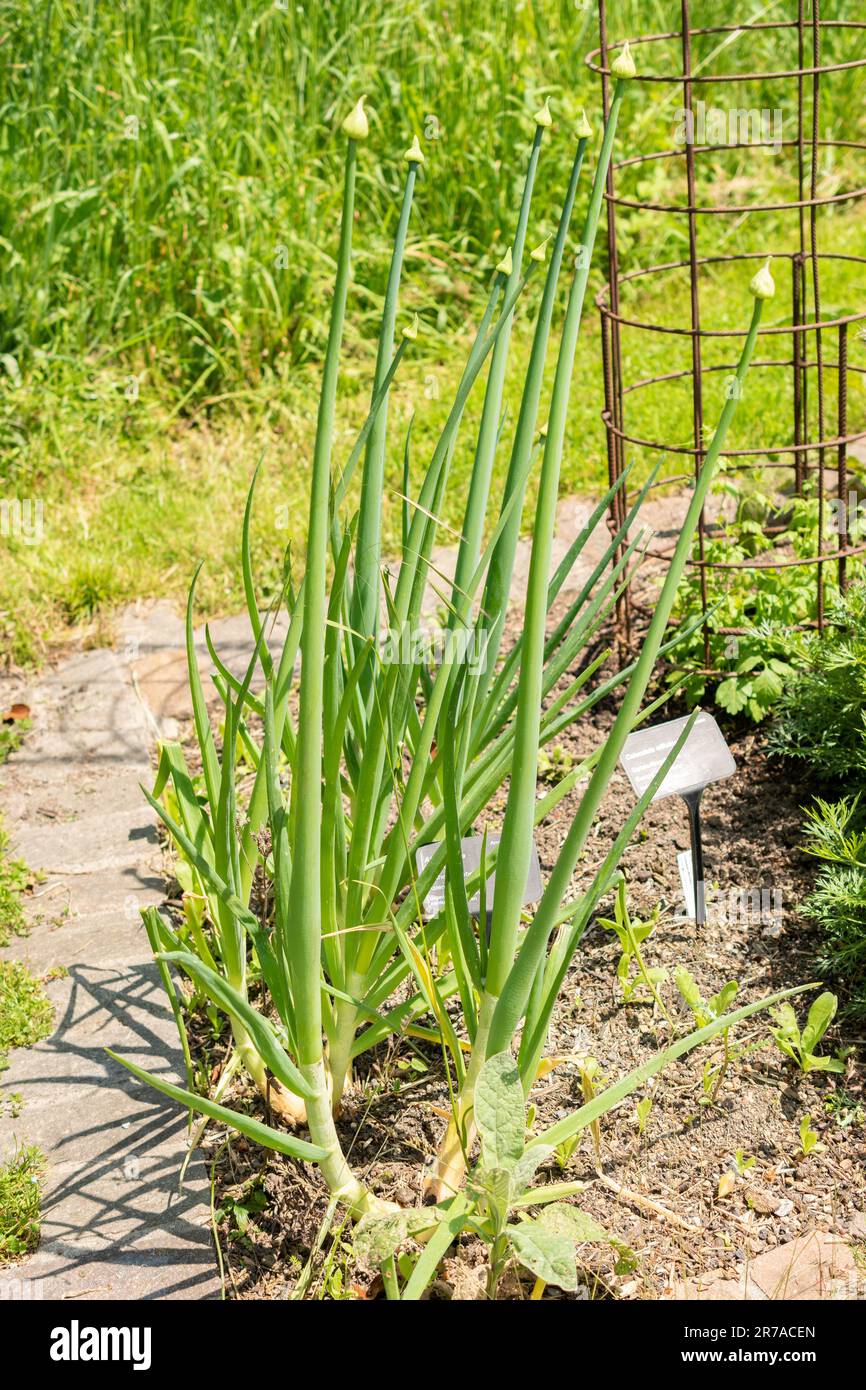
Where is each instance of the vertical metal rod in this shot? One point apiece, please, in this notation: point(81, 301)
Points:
point(693, 801)
point(842, 430)
point(816, 290)
point(619, 507)
point(697, 383)
point(621, 624)
point(801, 97)
point(803, 458)
point(796, 320)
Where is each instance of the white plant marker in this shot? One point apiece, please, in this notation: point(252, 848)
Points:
point(704, 758)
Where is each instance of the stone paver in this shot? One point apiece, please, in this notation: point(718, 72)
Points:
point(114, 1223)
point(815, 1266)
point(818, 1265)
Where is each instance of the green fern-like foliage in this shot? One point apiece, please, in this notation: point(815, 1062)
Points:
point(821, 717)
point(821, 722)
point(836, 834)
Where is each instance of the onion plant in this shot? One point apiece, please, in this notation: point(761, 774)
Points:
point(364, 752)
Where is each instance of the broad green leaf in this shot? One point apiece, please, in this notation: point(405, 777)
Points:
point(820, 1017)
point(687, 986)
point(566, 1220)
point(527, 1166)
point(500, 1111)
point(377, 1238)
point(787, 1020)
point(731, 695)
point(495, 1184)
point(783, 1043)
point(545, 1253)
point(813, 1063)
point(722, 1001)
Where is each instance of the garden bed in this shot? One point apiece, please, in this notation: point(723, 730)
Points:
point(271, 1209)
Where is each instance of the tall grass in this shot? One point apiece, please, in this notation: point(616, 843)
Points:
point(189, 265)
point(168, 172)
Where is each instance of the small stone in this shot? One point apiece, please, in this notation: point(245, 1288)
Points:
point(857, 1225)
point(804, 1268)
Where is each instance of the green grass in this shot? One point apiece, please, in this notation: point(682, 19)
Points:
point(197, 259)
point(15, 879)
point(19, 1203)
point(11, 736)
point(26, 1012)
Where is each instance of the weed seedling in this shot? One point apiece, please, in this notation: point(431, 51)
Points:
point(844, 1109)
point(809, 1138)
point(800, 1046)
point(493, 1204)
point(631, 933)
point(642, 1113)
point(743, 1162)
point(706, 1011)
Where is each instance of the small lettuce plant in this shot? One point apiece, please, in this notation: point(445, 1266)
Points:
point(801, 1046)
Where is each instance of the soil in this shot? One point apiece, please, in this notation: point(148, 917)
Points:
point(673, 1215)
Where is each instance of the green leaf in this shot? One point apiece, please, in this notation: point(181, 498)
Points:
point(820, 1017)
point(566, 1220)
point(253, 1129)
point(545, 1253)
point(377, 1238)
point(731, 695)
point(784, 1045)
point(722, 1001)
point(233, 1002)
point(500, 1111)
point(496, 1185)
point(527, 1166)
point(787, 1020)
point(687, 986)
point(812, 1063)
point(767, 686)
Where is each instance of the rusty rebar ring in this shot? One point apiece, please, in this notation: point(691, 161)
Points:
point(679, 78)
point(791, 328)
point(828, 557)
point(695, 452)
point(723, 209)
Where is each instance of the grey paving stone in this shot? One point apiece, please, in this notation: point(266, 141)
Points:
point(113, 1222)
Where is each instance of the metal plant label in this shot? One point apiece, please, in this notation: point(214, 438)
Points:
point(470, 850)
point(704, 758)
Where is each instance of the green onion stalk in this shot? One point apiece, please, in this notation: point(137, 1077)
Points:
point(514, 969)
point(313, 889)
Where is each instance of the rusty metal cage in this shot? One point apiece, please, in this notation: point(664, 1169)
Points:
point(813, 440)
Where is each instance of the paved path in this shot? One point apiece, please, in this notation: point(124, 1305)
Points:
point(114, 1224)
